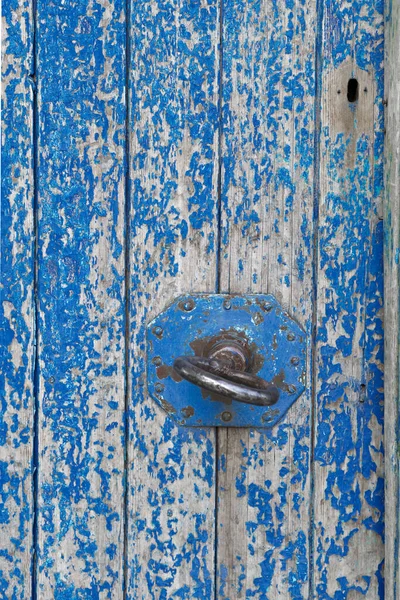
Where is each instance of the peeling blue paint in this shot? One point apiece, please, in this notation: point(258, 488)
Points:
point(81, 128)
point(350, 406)
point(214, 139)
point(16, 302)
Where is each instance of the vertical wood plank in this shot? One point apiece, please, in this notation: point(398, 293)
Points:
point(174, 143)
point(392, 295)
point(267, 227)
point(81, 103)
point(348, 507)
point(17, 302)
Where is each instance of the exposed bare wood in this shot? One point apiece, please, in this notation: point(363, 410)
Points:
point(255, 160)
point(348, 436)
point(17, 313)
point(267, 232)
point(392, 296)
point(173, 169)
point(81, 196)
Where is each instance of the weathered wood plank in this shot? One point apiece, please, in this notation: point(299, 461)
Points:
point(348, 454)
point(174, 142)
point(17, 302)
point(392, 296)
point(267, 227)
point(81, 103)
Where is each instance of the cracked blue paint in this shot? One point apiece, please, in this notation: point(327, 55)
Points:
point(16, 302)
point(252, 109)
point(349, 443)
point(81, 141)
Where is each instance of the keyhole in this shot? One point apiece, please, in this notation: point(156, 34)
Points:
point(352, 90)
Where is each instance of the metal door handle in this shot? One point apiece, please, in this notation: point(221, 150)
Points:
point(216, 376)
point(218, 360)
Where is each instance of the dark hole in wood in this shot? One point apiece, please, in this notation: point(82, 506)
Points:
point(352, 90)
point(363, 393)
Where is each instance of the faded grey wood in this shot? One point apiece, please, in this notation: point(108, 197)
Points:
point(17, 312)
point(348, 432)
point(392, 296)
point(267, 230)
point(173, 220)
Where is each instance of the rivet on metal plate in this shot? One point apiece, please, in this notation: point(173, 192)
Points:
point(226, 416)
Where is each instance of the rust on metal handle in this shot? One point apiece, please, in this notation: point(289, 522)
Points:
point(216, 376)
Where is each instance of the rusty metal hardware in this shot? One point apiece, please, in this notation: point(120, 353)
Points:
point(216, 376)
point(244, 353)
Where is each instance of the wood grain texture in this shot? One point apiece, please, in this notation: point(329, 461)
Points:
point(81, 129)
point(268, 91)
point(392, 296)
point(17, 317)
point(173, 212)
point(249, 172)
point(348, 444)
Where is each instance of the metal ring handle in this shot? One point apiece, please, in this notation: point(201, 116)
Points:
point(216, 376)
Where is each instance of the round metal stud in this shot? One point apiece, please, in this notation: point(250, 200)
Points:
point(188, 305)
point(158, 331)
point(267, 418)
point(226, 416)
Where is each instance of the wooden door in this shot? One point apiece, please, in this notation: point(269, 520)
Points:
point(157, 148)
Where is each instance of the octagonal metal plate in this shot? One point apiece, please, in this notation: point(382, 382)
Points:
point(185, 328)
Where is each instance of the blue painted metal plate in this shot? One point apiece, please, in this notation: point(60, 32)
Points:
point(188, 325)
